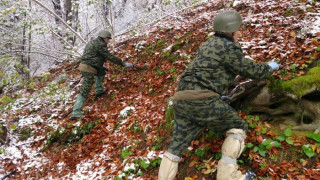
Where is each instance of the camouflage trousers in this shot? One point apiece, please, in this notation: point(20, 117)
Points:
point(88, 81)
point(190, 117)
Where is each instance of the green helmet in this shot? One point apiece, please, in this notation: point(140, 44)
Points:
point(227, 21)
point(104, 34)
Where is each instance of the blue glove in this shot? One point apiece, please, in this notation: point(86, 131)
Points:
point(105, 68)
point(274, 65)
point(226, 98)
point(128, 65)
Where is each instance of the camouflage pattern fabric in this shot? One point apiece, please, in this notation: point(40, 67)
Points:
point(214, 68)
point(96, 53)
point(88, 80)
point(190, 117)
point(216, 65)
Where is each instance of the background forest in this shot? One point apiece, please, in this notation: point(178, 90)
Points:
point(36, 35)
point(124, 134)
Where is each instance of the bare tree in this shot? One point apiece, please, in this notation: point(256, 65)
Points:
point(72, 16)
point(57, 9)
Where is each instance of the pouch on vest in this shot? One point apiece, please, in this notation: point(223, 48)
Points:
point(87, 68)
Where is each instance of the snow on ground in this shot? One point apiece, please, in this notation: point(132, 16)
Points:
point(315, 26)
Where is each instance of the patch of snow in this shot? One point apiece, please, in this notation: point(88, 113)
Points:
point(316, 25)
point(129, 166)
point(29, 121)
point(236, 3)
point(124, 112)
point(151, 155)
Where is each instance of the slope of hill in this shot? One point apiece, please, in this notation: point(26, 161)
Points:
point(124, 133)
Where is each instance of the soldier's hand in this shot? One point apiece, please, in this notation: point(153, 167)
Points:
point(105, 68)
point(274, 65)
point(226, 98)
point(128, 65)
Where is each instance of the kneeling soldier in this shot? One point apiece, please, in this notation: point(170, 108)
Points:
point(198, 104)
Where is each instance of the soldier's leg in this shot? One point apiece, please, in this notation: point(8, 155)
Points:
point(99, 91)
point(88, 80)
point(235, 128)
point(231, 150)
point(185, 130)
point(168, 167)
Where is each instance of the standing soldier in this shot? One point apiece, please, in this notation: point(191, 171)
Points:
point(95, 54)
point(198, 103)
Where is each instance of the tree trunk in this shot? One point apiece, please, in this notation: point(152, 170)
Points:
point(106, 12)
point(68, 16)
point(75, 19)
point(278, 106)
point(29, 44)
point(67, 10)
point(58, 10)
point(63, 21)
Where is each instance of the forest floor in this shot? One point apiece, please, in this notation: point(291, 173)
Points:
point(124, 133)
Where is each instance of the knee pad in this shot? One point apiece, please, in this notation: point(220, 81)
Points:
point(168, 167)
point(234, 143)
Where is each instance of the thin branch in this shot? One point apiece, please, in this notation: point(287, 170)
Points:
point(63, 22)
point(36, 52)
point(64, 40)
point(40, 48)
point(160, 18)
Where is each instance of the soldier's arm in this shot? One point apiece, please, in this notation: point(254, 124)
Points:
point(238, 64)
point(109, 56)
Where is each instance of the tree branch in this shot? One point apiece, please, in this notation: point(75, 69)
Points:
point(37, 52)
point(160, 18)
point(58, 52)
point(58, 17)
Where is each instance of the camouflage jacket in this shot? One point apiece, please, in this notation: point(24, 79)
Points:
point(96, 53)
point(216, 65)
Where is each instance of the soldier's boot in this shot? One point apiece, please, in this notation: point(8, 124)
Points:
point(99, 91)
point(77, 107)
point(231, 150)
point(168, 167)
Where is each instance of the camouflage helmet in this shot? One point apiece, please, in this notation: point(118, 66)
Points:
point(227, 21)
point(104, 34)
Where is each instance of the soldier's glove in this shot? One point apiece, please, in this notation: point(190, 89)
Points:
point(128, 65)
point(249, 175)
point(273, 65)
point(105, 68)
point(226, 98)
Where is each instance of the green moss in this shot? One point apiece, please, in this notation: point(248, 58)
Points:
point(300, 85)
point(177, 46)
point(288, 12)
point(171, 57)
point(63, 136)
point(310, 10)
point(25, 134)
point(160, 44)
point(149, 50)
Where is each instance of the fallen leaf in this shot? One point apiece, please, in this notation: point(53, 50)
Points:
point(193, 163)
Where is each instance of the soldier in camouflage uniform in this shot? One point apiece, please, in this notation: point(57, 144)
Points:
point(95, 54)
point(198, 103)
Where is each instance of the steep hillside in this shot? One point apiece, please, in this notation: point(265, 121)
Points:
point(124, 133)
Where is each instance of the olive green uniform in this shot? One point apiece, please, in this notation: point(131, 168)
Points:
point(96, 53)
point(214, 68)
